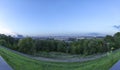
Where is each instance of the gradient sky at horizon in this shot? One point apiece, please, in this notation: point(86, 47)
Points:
point(45, 17)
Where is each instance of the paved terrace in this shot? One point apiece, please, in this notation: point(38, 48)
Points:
point(4, 65)
point(116, 66)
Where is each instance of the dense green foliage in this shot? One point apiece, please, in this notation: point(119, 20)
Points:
point(50, 45)
point(8, 41)
point(26, 45)
point(82, 46)
point(19, 62)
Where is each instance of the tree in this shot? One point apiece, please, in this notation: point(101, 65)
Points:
point(10, 41)
point(61, 47)
point(108, 38)
point(3, 42)
point(117, 40)
point(38, 45)
point(92, 46)
point(109, 41)
point(27, 45)
point(86, 49)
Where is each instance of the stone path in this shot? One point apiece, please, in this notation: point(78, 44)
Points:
point(4, 65)
point(116, 66)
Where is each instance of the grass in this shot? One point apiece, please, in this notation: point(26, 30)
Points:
point(57, 55)
point(19, 62)
point(60, 55)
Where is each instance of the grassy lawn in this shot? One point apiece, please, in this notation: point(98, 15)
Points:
point(19, 62)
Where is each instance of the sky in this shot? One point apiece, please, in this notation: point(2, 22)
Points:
point(47, 17)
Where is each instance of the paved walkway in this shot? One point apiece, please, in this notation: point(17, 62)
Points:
point(4, 65)
point(116, 66)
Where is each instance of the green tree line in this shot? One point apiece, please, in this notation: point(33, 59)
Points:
point(83, 46)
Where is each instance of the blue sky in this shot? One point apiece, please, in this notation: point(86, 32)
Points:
point(46, 17)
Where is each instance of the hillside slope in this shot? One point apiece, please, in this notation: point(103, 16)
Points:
point(19, 62)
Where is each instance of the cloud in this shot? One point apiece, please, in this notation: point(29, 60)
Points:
point(117, 27)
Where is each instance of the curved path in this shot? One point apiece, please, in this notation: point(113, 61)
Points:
point(76, 59)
